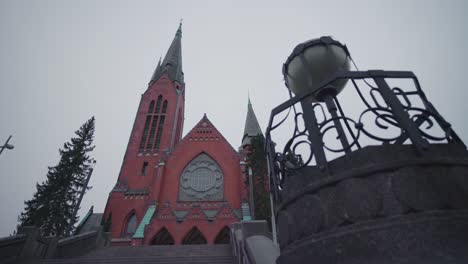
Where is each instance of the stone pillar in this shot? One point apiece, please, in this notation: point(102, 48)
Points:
point(380, 204)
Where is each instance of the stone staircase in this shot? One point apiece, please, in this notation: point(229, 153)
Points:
point(198, 254)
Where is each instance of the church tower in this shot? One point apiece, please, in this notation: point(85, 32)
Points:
point(174, 190)
point(159, 120)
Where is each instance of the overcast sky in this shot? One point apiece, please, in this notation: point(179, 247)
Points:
point(62, 62)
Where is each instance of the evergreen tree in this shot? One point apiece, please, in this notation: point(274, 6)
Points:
point(52, 206)
point(256, 159)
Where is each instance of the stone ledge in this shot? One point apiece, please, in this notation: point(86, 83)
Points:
point(376, 189)
point(429, 237)
point(69, 240)
point(369, 160)
point(121, 240)
point(4, 241)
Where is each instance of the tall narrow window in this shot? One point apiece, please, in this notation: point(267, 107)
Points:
point(178, 135)
point(153, 129)
point(144, 169)
point(160, 129)
point(151, 107)
point(131, 226)
point(151, 123)
point(161, 125)
point(145, 132)
point(164, 107)
point(158, 105)
point(154, 123)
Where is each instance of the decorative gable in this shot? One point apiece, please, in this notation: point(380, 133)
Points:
point(204, 131)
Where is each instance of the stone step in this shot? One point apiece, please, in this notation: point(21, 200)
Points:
point(161, 251)
point(138, 260)
point(195, 254)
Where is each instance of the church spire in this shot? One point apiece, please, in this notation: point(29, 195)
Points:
point(172, 63)
point(252, 128)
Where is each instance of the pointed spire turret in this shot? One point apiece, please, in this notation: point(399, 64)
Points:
point(157, 71)
point(172, 63)
point(252, 128)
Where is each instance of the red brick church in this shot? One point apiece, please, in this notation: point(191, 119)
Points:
point(173, 189)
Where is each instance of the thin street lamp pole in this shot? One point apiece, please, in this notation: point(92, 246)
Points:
point(252, 206)
point(273, 220)
point(6, 145)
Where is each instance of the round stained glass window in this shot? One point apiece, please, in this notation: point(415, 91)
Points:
point(201, 179)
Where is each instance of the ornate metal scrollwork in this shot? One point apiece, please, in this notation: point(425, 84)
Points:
point(390, 116)
point(328, 125)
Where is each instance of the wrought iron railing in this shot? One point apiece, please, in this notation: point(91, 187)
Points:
point(388, 115)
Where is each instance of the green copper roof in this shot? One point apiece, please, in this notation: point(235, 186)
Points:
point(140, 232)
point(172, 63)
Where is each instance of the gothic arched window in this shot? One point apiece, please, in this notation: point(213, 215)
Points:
point(158, 105)
point(131, 225)
point(223, 236)
point(194, 236)
point(164, 107)
point(153, 128)
point(146, 127)
point(151, 107)
point(154, 125)
point(145, 132)
point(161, 125)
point(163, 237)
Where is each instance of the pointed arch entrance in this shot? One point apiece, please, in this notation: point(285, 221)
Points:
point(194, 236)
point(223, 236)
point(163, 237)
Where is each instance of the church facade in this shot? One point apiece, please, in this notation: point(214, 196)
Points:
point(171, 189)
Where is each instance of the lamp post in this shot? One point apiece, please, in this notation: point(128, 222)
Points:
point(393, 163)
point(313, 62)
point(251, 194)
point(6, 145)
point(310, 64)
